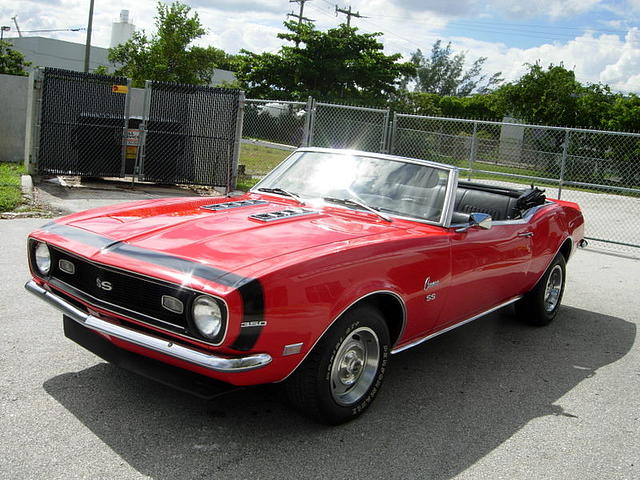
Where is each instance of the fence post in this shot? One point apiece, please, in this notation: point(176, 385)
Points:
point(472, 152)
point(392, 134)
point(307, 122)
point(312, 123)
point(125, 129)
point(32, 125)
point(138, 169)
point(384, 141)
point(563, 162)
point(233, 168)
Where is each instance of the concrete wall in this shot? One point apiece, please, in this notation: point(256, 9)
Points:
point(13, 117)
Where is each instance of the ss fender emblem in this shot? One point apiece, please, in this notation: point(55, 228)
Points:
point(106, 286)
point(430, 297)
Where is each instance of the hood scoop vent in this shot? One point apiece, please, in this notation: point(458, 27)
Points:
point(216, 207)
point(282, 214)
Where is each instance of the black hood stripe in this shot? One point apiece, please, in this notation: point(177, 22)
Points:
point(250, 289)
point(77, 235)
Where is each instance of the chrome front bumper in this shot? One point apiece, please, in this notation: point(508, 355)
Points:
point(210, 362)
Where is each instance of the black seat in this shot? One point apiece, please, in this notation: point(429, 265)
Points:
point(500, 207)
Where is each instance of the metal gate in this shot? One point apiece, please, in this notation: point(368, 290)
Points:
point(191, 134)
point(83, 124)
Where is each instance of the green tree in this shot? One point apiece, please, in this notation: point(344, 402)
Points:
point(553, 96)
point(416, 103)
point(625, 151)
point(11, 61)
point(338, 65)
point(444, 73)
point(168, 55)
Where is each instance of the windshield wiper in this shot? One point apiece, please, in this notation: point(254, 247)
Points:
point(282, 191)
point(358, 203)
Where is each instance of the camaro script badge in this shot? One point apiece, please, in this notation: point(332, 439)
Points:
point(428, 284)
point(106, 286)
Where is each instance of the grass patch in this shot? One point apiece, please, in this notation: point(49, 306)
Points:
point(260, 160)
point(10, 190)
point(246, 183)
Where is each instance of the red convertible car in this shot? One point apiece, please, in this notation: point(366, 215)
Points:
point(333, 262)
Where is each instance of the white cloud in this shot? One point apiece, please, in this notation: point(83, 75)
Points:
point(603, 58)
point(625, 72)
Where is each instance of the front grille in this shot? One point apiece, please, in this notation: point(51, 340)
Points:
point(122, 292)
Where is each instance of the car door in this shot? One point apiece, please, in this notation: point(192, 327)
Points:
point(488, 267)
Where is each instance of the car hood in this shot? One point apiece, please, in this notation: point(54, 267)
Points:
point(230, 238)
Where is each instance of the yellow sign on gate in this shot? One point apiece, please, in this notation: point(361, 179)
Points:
point(119, 89)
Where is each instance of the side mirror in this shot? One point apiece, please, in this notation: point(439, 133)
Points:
point(480, 220)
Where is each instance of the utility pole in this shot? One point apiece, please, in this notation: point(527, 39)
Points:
point(87, 47)
point(15, 20)
point(299, 16)
point(4, 28)
point(348, 14)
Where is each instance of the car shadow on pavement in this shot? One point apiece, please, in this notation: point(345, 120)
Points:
point(445, 405)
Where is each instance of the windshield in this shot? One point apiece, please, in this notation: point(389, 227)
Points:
point(388, 186)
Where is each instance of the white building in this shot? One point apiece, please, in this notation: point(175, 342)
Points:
point(49, 52)
point(121, 31)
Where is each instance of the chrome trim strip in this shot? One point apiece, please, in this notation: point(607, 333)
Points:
point(165, 347)
point(404, 324)
point(451, 327)
point(450, 198)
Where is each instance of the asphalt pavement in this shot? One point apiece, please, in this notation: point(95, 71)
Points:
point(493, 399)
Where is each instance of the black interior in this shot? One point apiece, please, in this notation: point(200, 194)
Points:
point(500, 203)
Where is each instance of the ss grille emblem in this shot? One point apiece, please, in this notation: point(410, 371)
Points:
point(102, 285)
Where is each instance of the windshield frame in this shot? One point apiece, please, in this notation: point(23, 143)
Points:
point(447, 209)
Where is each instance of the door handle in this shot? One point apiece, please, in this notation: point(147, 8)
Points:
point(526, 234)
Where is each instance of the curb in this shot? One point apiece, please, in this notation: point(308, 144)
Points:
point(27, 187)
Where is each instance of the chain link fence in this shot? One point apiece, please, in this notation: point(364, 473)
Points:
point(82, 124)
point(190, 134)
point(272, 128)
point(342, 126)
point(599, 170)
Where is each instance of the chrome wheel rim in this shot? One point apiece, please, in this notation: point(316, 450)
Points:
point(354, 366)
point(553, 289)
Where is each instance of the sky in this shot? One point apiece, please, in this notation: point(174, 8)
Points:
point(599, 39)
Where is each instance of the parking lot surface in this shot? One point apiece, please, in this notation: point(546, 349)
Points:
point(493, 399)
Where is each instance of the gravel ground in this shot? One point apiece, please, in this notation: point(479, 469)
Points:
point(493, 399)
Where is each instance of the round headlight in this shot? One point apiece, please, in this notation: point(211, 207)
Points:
point(43, 258)
point(207, 316)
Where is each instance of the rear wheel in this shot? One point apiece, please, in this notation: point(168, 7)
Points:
point(540, 306)
point(342, 375)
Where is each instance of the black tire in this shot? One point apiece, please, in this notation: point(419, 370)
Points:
point(313, 388)
point(540, 306)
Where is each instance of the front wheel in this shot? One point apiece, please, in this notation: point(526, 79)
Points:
point(342, 375)
point(540, 305)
